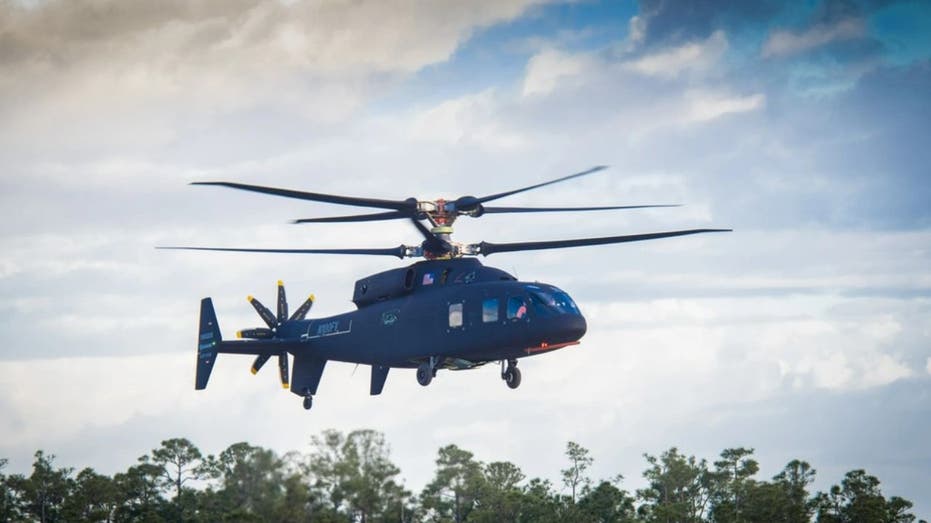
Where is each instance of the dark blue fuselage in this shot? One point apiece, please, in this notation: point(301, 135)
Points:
point(458, 310)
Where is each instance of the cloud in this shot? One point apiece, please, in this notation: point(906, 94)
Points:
point(692, 56)
point(786, 43)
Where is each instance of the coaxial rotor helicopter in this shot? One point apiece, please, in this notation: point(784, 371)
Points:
point(447, 311)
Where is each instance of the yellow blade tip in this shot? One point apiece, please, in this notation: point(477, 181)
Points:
point(239, 334)
point(249, 298)
point(284, 385)
point(312, 297)
point(280, 283)
point(253, 371)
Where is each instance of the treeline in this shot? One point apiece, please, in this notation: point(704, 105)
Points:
point(351, 478)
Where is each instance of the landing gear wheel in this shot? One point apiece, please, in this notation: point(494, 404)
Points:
point(308, 402)
point(425, 374)
point(512, 377)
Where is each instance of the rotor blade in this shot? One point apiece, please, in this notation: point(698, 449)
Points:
point(398, 205)
point(379, 216)
point(282, 303)
point(433, 243)
point(486, 248)
point(302, 311)
point(283, 369)
point(259, 361)
point(489, 198)
point(503, 210)
point(263, 311)
point(400, 251)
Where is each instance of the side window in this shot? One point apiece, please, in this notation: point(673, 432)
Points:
point(517, 309)
point(490, 310)
point(455, 315)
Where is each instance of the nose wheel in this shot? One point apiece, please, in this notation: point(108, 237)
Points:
point(308, 401)
point(511, 374)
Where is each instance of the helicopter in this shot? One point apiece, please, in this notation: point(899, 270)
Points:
point(447, 311)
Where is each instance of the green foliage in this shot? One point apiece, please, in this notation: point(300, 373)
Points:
point(348, 478)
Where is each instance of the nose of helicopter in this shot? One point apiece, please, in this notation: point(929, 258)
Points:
point(566, 328)
point(574, 326)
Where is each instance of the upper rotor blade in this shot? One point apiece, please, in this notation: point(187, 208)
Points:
point(319, 197)
point(400, 251)
point(489, 198)
point(503, 210)
point(486, 248)
point(379, 216)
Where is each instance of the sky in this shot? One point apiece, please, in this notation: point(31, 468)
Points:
point(805, 333)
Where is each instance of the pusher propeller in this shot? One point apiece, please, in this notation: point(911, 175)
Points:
point(274, 323)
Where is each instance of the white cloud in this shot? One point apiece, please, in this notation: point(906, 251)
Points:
point(693, 56)
point(552, 67)
point(785, 43)
point(470, 119)
point(705, 106)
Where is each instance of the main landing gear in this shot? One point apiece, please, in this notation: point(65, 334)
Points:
point(510, 374)
point(426, 371)
point(308, 400)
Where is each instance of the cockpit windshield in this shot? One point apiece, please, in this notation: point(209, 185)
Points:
point(552, 300)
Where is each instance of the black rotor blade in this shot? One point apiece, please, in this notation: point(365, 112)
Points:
point(283, 369)
point(263, 311)
point(399, 251)
point(486, 248)
point(379, 216)
point(491, 197)
point(302, 311)
point(503, 210)
point(398, 205)
point(282, 303)
point(259, 361)
point(433, 243)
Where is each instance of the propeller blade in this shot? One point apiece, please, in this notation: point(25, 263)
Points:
point(398, 205)
point(400, 251)
point(379, 216)
point(259, 361)
point(263, 311)
point(503, 210)
point(491, 197)
point(282, 303)
point(283, 369)
point(256, 334)
point(486, 248)
point(302, 311)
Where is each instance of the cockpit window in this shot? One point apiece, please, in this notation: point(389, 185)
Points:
point(552, 301)
point(517, 309)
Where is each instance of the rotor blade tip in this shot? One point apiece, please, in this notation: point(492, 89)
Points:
point(280, 283)
point(249, 298)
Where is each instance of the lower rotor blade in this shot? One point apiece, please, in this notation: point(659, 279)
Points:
point(283, 369)
point(391, 215)
point(302, 311)
point(487, 248)
point(263, 311)
point(259, 361)
point(400, 251)
point(282, 303)
point(503, 210)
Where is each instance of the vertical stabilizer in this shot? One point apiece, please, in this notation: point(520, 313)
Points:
point(208, 340)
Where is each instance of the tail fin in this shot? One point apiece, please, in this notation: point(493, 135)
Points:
point(207, 343)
